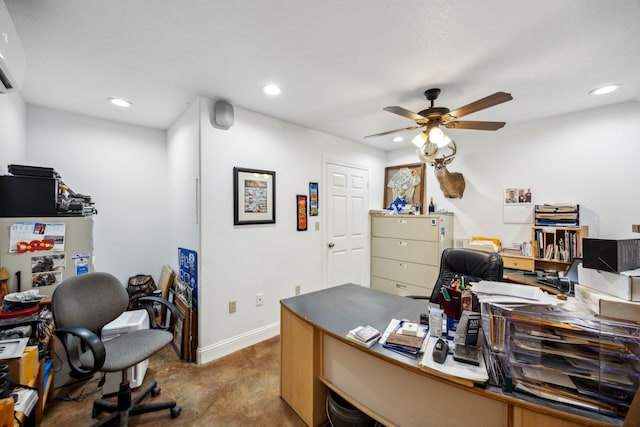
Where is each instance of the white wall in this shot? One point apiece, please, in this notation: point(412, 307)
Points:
point(590, 158)
point(124, 169)
point(183, 148)
point(13, 130)
point(237, 262)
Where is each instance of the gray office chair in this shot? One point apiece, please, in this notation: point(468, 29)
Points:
point(82, 306)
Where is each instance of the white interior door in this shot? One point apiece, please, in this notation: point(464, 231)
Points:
point(347, 225)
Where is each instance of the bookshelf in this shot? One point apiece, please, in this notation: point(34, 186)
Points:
point(552, 248)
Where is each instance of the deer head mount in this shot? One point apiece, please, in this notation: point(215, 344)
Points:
point(451, 183)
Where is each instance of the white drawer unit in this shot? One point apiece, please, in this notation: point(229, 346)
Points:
point(406, 251)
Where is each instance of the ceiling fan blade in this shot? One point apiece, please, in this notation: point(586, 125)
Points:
point(393, 131)
point(404, 113)
point(474, 125)
point(481, 104)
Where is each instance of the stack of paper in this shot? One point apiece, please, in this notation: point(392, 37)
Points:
point(26, 399)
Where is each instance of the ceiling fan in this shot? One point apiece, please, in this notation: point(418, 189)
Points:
point(432, 138)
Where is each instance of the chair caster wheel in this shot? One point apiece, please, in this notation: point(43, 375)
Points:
point(155, 391)
point(175, 411)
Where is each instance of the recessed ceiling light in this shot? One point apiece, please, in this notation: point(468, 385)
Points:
point(398, 139)
point(604, 89)
point(271, 90)
point(120, 102)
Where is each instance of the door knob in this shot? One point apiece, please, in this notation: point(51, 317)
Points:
point(331, 245)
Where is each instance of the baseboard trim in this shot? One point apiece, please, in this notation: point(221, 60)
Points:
point(230, 345)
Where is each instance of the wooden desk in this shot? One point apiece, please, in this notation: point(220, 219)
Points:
point(390, 387)
point(518, 276)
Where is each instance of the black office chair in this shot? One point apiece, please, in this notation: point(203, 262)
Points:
point(82, 306)
point(473, 265)
point(470, 264)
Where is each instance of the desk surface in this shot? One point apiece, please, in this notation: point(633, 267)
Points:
point(339, 309)
point(518, 276)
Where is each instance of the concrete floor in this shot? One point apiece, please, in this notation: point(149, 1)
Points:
point(241, 389)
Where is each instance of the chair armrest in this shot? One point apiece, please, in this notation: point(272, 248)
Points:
point(148, 302)
point(76, 341)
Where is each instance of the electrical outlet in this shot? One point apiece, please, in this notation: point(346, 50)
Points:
point(297, 289)
point(259, 300)
point(317, 225)
point(232, 306)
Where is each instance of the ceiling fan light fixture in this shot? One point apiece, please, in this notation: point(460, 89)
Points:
point(420, 139)
point(438, 137)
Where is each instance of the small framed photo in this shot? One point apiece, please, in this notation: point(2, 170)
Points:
point(254, 196)
point(514, 196)
point(301, 202)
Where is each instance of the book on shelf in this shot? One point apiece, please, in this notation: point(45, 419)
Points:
point(364, 335)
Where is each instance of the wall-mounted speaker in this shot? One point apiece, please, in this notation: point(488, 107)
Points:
point(222, 115)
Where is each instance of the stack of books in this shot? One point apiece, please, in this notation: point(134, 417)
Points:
point(364, 335)
point(25, 399)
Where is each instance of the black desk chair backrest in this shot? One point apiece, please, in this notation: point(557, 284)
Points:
point(470, 264)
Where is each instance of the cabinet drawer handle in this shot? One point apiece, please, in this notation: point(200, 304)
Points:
point(399, 286)
point(402, 221)
point(403, 265)
point(401, 243)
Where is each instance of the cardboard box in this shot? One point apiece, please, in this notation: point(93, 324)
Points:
point(622, 285)
point(24, 369)
point(607, 305)
point(611, 255)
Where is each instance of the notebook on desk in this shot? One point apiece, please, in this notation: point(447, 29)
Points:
point(564, 284)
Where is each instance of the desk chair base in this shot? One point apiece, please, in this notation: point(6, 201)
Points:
point(126, 406)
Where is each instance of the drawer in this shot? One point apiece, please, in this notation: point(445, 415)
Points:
point(416, 228)
point(404, 249)
point(406, 272)
point(518, 262)
point(398, 288)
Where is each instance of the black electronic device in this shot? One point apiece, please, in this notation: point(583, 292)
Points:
point(27, 196)
point(467, 354)
point(566, 283)
point(440, 351)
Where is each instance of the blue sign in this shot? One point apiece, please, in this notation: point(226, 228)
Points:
point(188, 272)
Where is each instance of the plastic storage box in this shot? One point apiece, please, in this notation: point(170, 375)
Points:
point(126, 322)
point(565, 355)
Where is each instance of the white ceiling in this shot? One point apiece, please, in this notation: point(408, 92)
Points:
point(338, 62)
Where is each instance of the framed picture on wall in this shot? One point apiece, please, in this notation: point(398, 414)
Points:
point(313, 199)
point(254, 196)
point(301, 202)
point(406, 182)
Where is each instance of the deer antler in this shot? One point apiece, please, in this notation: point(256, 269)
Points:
point(446, 159)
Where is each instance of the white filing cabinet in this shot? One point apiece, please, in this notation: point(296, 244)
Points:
point(406, 250)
